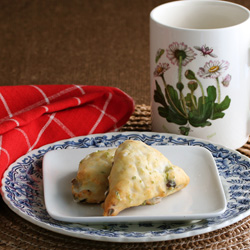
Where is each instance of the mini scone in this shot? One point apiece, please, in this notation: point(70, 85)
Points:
point(91, 181)
point(140, 175)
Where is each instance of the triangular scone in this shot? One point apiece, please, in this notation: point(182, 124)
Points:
point(91, 182)
point(140, 175)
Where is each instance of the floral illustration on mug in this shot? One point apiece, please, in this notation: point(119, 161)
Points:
point(190, 109)
point(205, 50)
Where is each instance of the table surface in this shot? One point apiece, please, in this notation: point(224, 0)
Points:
point(90, 42)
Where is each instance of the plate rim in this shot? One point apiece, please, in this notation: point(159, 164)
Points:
point(125, 238)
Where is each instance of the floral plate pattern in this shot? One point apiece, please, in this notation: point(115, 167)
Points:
point(22, 190)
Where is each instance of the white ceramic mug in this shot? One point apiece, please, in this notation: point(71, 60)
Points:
point(199, 66)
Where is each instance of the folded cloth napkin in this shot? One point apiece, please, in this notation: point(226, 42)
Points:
point(35, 115)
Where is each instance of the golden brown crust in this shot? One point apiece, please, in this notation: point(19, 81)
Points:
point(91, 181)
point(140, 175)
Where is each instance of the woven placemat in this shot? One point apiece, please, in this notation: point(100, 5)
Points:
point(17, 233)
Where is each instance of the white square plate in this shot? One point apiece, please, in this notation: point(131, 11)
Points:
point(203, 198)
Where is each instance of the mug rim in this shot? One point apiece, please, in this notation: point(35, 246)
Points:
point(187, 2)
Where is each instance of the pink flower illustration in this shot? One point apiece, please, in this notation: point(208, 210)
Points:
point(180, 51)
point(226, 80)
point(205, 50)
point(213, 69)
point(160, 69)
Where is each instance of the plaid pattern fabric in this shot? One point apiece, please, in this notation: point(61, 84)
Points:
point(36, 115)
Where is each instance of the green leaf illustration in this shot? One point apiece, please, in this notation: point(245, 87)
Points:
point(211, 94)
point(200, 116)
point(159, 96)
point(173, 100)
point(184, 130)
point(172, 116)
point(159, 53)
point(219, 107)
point(191, 101)
point(167, 111)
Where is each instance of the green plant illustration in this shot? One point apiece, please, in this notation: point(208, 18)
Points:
point(185, 108)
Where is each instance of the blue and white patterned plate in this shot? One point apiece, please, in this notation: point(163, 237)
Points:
point(22, 190)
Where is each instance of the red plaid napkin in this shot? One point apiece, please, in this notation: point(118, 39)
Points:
point(32, 116)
